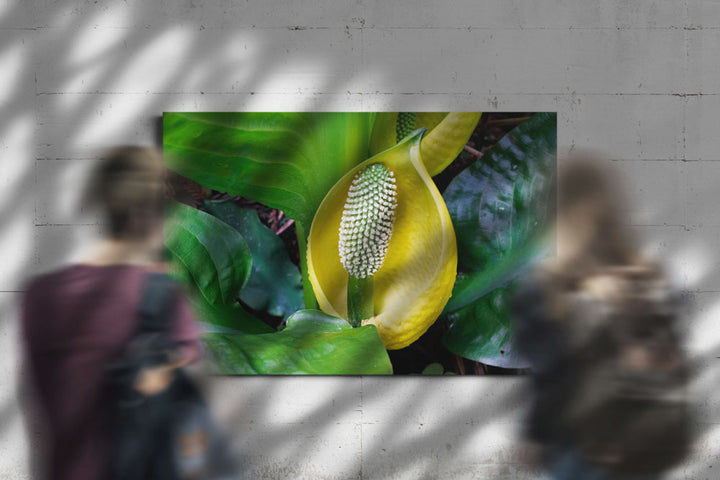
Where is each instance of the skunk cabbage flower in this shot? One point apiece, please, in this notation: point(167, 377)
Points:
point(445, 139)
point(384, 229)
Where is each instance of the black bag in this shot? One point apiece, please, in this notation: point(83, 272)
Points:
point(169, 435)
point(627, 408)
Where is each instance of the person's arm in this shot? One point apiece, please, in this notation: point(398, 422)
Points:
point(184, 331)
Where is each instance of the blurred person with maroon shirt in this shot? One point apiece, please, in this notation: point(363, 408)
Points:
point(78, 320)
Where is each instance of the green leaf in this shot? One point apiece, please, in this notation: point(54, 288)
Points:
point(500, 207)
point(483, 331)
point(211, 253)
point(287, 161)
point(313, 343)
point(275, 285)
point(433, 369)
point(472, 286)
point(230, 318)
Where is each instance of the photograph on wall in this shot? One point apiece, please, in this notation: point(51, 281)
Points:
point(358, 243)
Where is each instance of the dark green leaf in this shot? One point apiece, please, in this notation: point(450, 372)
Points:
point(500, 207)
point(313, 343)
point(275, 285)
point(212, 254)
point(227, 318)
point(472, 286)
point(287, 161)
point(483, 331)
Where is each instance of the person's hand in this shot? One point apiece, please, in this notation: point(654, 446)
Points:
point(153, 380)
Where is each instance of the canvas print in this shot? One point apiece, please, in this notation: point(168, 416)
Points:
point(358, 243)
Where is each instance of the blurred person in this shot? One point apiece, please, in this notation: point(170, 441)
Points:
point(596, 323)
point(78, 320)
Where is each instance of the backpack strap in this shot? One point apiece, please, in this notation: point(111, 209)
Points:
point(156, 305)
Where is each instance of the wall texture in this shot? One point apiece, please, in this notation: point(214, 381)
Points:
point(637, 79)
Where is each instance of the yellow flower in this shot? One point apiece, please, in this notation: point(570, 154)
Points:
point(445, 139)
point(416, 277)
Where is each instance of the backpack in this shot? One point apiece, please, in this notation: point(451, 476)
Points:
point(627, 407)
point(169, 435)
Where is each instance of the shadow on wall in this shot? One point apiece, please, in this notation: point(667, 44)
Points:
point(87, 76)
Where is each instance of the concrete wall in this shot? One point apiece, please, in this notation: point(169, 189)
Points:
point(638, 79)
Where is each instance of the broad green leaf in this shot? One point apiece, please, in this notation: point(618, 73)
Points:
point(213, 254)
point(313, 343)
point(483, 331)
point(287, 161)
point(472, 286)
point(500, 207)
point(275, 285)
point(230, 318)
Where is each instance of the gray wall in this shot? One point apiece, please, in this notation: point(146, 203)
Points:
point(638, 79)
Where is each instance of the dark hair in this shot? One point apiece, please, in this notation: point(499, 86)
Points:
point(128, 186)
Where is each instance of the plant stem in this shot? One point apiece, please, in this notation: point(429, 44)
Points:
point(308, 294)
point(360, 300)
point(506, 121)
point(460, 363)
point(287, 225)
point(472, 151)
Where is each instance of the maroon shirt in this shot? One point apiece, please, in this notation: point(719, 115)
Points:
point(76, 322)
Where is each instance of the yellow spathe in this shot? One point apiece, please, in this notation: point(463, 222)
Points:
point(416, 279)
point(447, 135)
